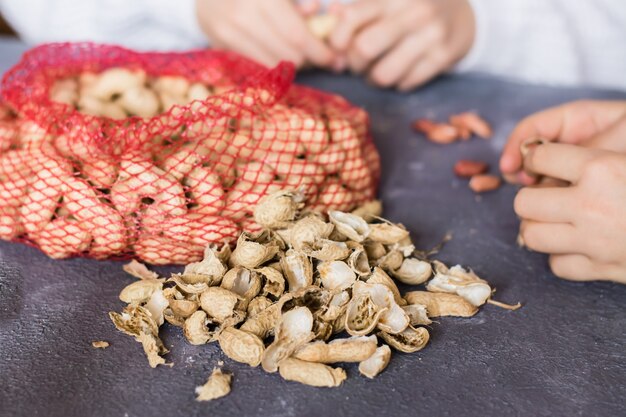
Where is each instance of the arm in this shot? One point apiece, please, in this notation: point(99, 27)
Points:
point(141, 24)
point(550, 41)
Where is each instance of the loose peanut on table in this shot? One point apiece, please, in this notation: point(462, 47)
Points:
point(483, 182)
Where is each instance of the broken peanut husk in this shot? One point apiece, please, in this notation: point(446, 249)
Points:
point(250, 254)
point(153, 348)
point(376, 363)
point(440, 304)
point(457, 280)
point(134, 320)
point(375, 251)
point(139, 270)
point(297, 268)
point(387, 233)
point(137, 321)
point(369, 210)
point(219, 303)
point(210, 270)
point(358, 261)
point(277, 210)
point(241, 346)
point(217, 386)
point(156, 305)
point(362, 315)
point(258, 304)
point(139, 292)
point(274, 281)
point(293, 330)
point(195, 328)
point(309, 229)
point(410, 340)
point(326, 250)
point(378, 276)
point(315, 298)
point(183, 308)
point(191, 289)
point(244, 283)
point(310, 373)
point(350, 225)
point(418, 314)
point(336, 307)
point(352, 349)
point(394, 320)
point(336, 275)
point(391, 261)
point(301, 281)
point(413, 271)
point(263, 323)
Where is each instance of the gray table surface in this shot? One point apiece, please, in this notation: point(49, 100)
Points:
point(563, 354)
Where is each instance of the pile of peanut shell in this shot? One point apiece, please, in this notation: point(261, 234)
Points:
point(282, 297)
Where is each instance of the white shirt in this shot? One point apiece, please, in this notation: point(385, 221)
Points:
point(565, 42)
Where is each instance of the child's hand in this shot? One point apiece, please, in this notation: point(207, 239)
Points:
point(581, 226)
point(599, 124)
point(403, 43)
point(268, 31)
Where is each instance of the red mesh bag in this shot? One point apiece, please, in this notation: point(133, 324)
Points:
point(113, 153)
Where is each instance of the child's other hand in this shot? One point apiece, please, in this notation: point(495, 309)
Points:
point(403, 43)
point(597, 124)
point(268, 31)
point(581, 226)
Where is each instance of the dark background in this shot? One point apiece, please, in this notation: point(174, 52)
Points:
point(562, 354)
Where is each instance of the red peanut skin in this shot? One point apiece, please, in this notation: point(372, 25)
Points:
point(437, 132)
point(484, 182)
point(466, 168)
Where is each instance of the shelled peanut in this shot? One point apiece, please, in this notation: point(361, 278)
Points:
point(164, 196)
point(282, 296)
point(459, 127)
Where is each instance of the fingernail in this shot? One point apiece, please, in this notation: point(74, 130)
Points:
point(340, 64)
point(530, 144)
point(511, 178)
point(505, 164)
point(526, 178)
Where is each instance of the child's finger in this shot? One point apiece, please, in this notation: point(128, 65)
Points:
point(569, 123)
point(401, 59)
point(246, 45)
point(559, 160)
point(318, 53)
point(556, 238)
point(352, 17)
point(356, 62)
point(292, 27)
point(271, 40)
point(553, 205)
point(575, 267)
point(612, 139)
point(425, 70)
point(379, 37)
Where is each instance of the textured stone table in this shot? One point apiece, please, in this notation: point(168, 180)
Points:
point(563, 354)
